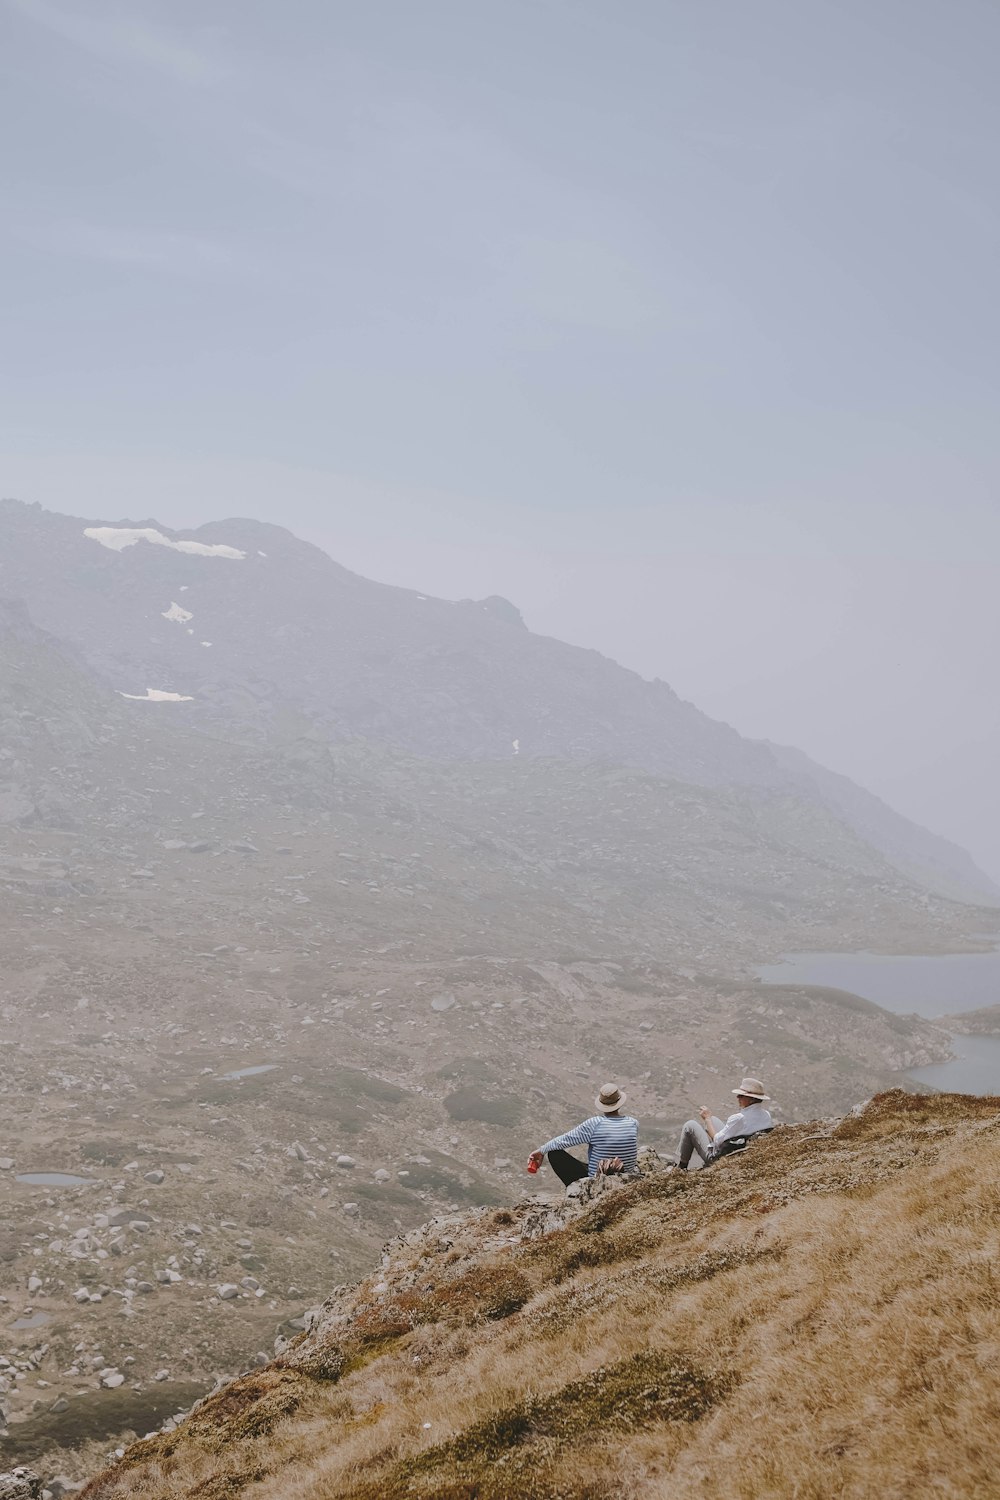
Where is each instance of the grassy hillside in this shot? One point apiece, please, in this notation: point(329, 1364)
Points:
point(817, 1318)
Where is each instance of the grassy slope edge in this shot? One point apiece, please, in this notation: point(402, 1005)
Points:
point(820, 1317)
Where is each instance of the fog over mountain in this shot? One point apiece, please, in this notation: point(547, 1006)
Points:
point(499, 596)
point(675, 327)
point(247, 623)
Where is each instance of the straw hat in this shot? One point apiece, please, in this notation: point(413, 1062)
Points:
point(752, 1088)
point(610, 1098)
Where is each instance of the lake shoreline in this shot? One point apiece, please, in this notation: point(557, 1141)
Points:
point(956, 993)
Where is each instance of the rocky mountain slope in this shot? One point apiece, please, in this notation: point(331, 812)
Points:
point(277, 988)
point(250, 624)
point(925, 857)
point(815, 1317)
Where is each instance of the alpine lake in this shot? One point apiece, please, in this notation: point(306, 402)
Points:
point(934, 987)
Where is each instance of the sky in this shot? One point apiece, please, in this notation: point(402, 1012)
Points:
point(676, 323)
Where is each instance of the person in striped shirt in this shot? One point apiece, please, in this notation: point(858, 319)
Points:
point(611, 1139)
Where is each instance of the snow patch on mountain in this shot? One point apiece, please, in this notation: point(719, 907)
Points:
point(154, 695)
point(117, 538)
point(176, 613)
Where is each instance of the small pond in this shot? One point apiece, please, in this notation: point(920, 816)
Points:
point(934, 987)
point(248, 1072)
point(34, 1320)
point(54, 1179)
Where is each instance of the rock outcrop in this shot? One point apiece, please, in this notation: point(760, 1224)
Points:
point(20, 1484)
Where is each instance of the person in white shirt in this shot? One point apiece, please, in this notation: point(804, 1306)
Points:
point(704, 1137)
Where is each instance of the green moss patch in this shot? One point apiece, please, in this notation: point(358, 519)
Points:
point(471, 1103)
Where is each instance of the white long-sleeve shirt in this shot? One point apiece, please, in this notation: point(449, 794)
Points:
point(745, 1122)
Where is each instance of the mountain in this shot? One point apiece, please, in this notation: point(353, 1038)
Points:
point(817, 1316)
point(925, 857)
point(300, 953)
point(250, 623)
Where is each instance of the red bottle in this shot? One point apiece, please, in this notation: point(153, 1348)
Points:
point(532, 1164)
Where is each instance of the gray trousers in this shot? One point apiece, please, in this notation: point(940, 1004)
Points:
point(695, 1140)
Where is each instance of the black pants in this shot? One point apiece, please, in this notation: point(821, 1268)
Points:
point(566, 1167)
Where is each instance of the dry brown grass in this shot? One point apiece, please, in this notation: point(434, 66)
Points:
point(818, 1319)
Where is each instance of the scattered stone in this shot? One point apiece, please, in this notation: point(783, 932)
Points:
point(346, 1161)
point(351, 1209)
point(6, 1163)
point(155, 1177)
point(228, 1291)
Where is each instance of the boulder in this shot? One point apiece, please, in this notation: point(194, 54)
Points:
point(20, 1484)
point(228, 1291)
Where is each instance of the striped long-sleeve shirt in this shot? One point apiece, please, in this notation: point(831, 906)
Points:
point(603, 1136)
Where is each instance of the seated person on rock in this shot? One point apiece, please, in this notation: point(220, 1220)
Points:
point(708, 1135)
point(611, 1138)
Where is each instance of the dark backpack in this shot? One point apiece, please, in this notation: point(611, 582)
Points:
point(739, 1143)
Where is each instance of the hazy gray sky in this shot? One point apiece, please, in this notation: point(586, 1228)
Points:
point(676, 321)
